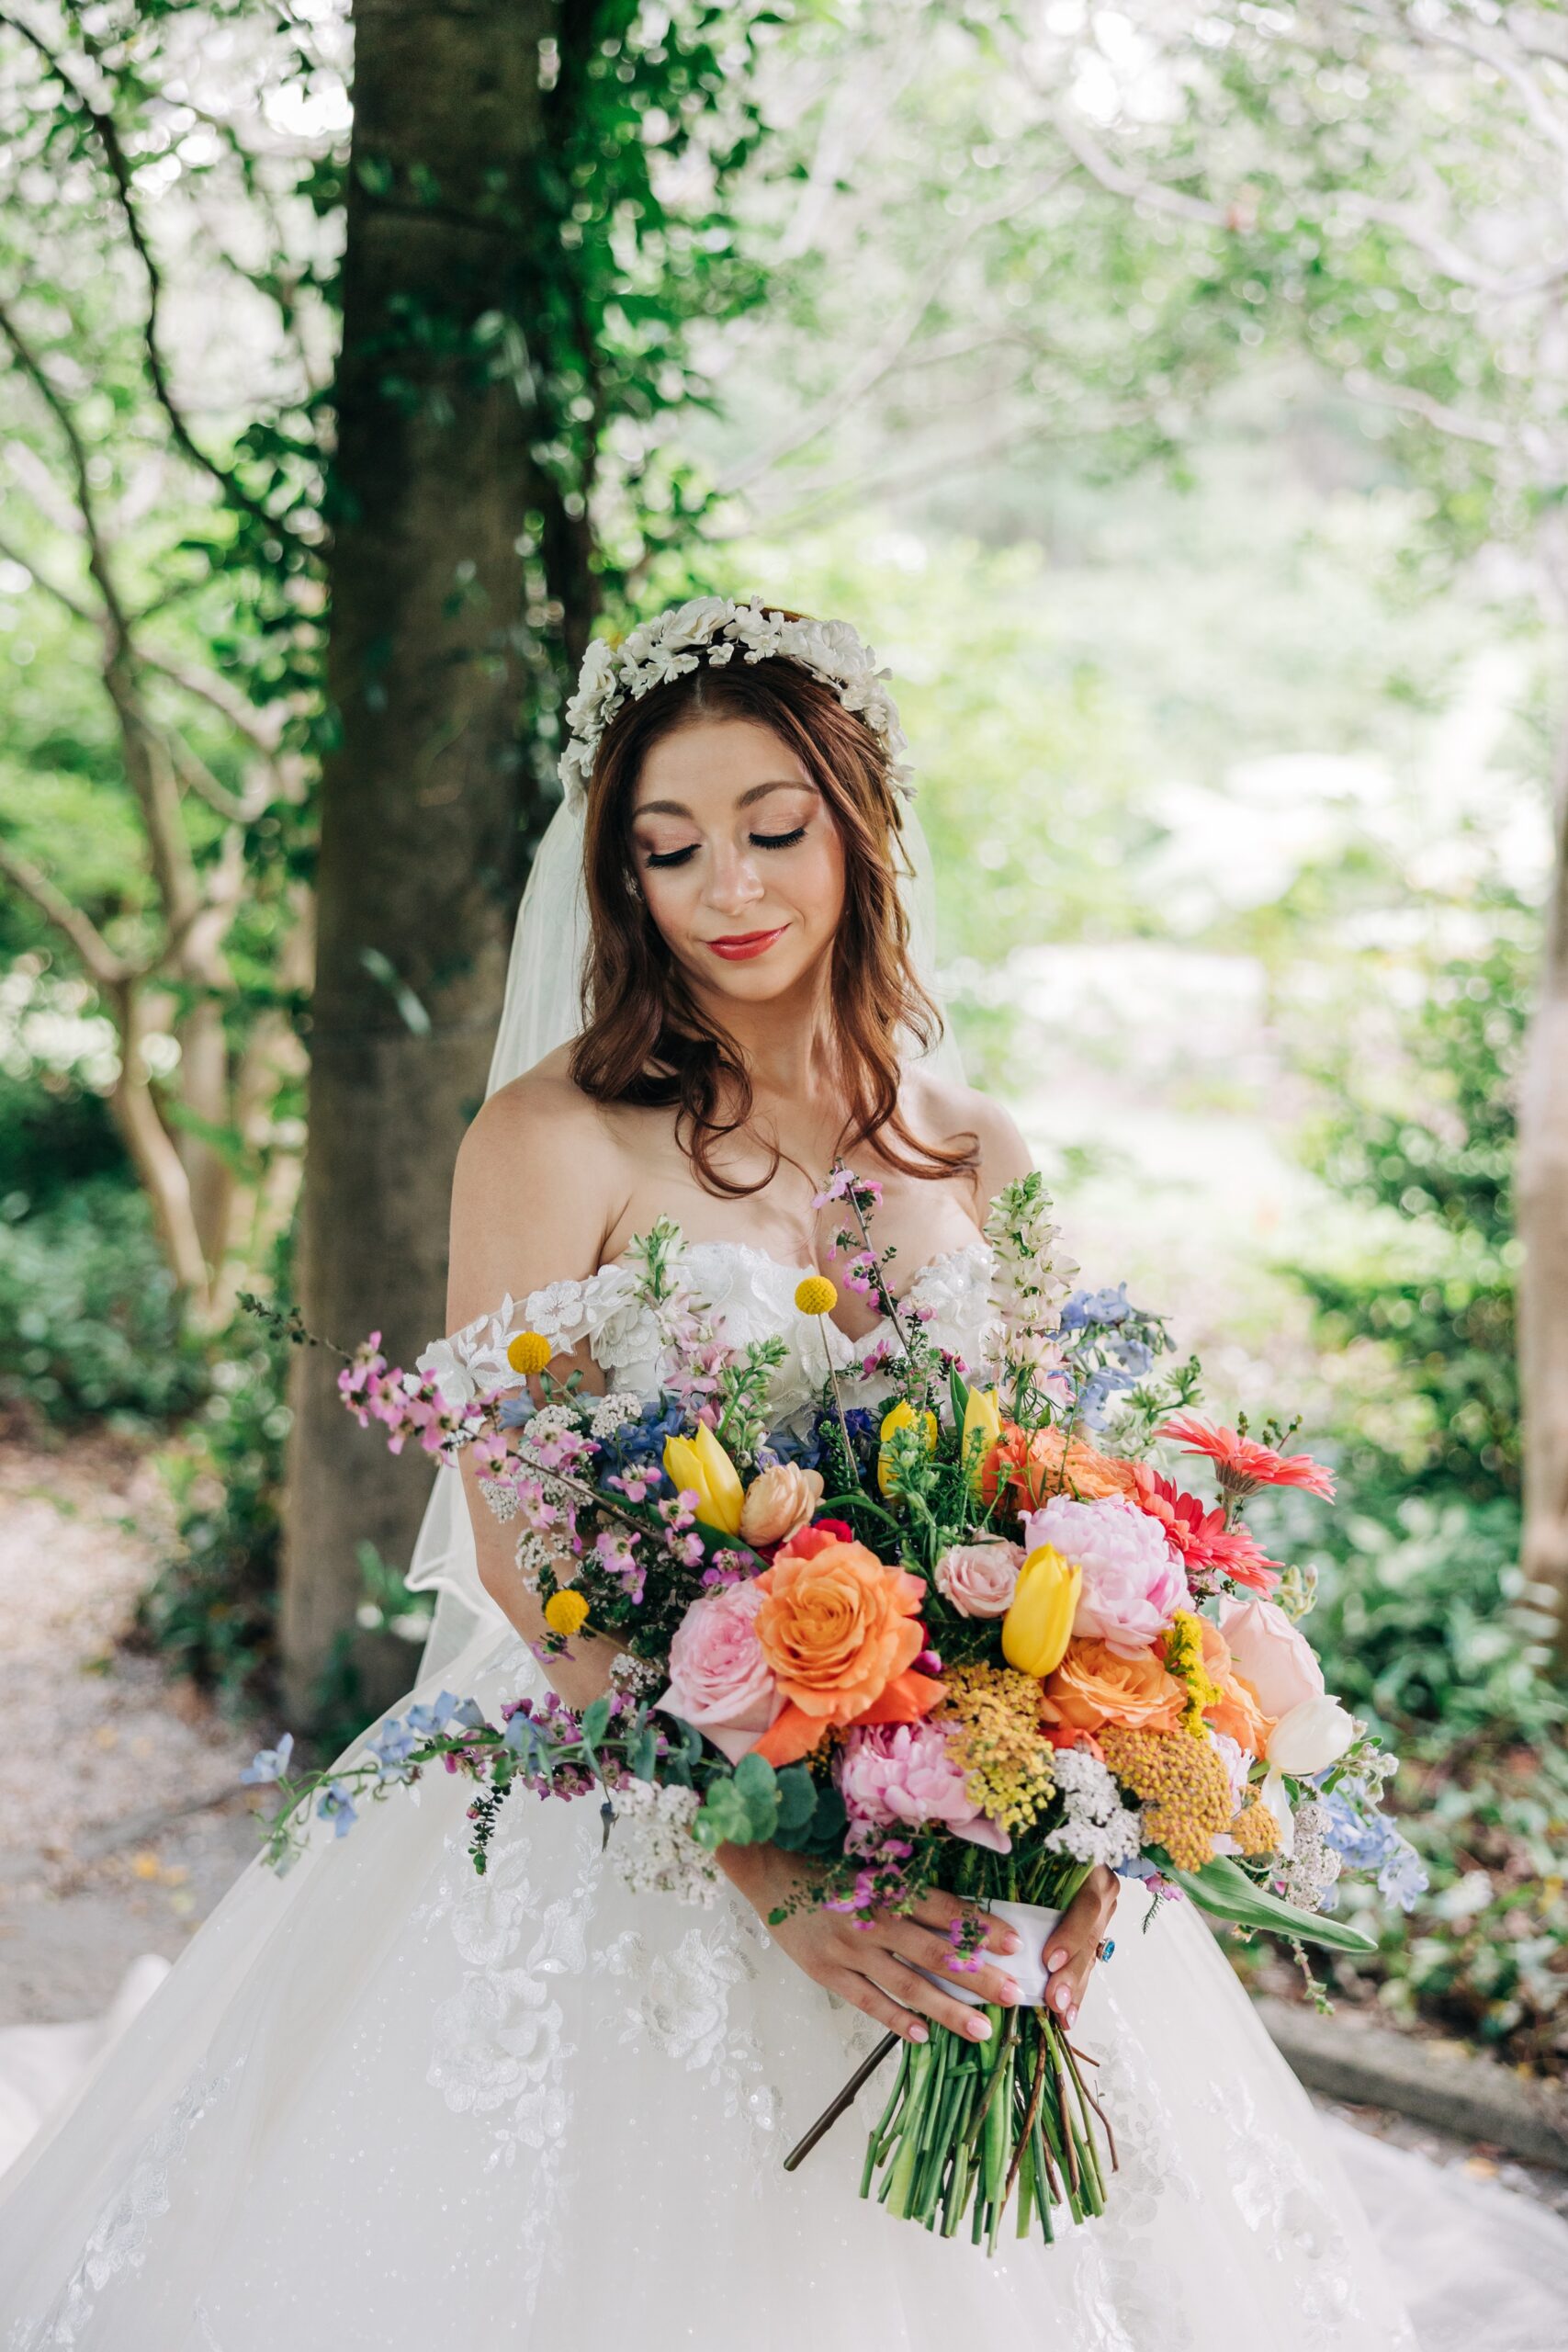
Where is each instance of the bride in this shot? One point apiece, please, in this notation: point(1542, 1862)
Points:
point(385, 2101)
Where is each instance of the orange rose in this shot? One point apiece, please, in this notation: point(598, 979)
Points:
point(1095, 1685)
point(1035, 1465)
point(1237, 1713)
point(841, 1630)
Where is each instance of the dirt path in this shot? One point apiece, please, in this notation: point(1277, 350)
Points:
point(121, 1820)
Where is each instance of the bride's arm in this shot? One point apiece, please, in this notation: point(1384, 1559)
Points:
point(537, 1188)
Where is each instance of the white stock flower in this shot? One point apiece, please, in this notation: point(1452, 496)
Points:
point(653, 1849)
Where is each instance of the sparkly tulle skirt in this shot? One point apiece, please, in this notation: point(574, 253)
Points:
point(383, 2101)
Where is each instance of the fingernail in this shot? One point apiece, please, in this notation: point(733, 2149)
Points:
point(1061, 1994)
point(1008, 1940)
point(980, 2029)
point(1007, 1997)
point(1055, 1960)
point(1073, 2015)
point(918, 2033)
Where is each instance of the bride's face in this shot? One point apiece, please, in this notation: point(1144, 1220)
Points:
point(739, 857)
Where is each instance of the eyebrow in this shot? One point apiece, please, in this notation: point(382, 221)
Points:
point(758, 792)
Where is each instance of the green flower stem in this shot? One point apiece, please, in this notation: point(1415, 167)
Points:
point(900, 2179)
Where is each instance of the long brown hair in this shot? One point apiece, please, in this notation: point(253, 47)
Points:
point(644, 1039)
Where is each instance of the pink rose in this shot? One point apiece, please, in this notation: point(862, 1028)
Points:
point(979, 1578)
point(720, 1681)
point(1269, 1654)
point(904, 1773)
point(1132, 1581)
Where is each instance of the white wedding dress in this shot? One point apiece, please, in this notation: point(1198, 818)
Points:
point(385, 2103)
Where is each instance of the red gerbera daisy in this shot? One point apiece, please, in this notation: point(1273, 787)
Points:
point(1208, 1549)
point(1241, 1464)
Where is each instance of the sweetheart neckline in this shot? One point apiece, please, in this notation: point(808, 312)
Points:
point(862, 1340)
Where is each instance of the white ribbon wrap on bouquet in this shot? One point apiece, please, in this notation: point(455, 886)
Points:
point(1026, 1966)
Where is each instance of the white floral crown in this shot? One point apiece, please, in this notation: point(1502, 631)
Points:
point(717, 627)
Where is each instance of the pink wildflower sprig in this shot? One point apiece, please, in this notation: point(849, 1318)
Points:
point(405, 1404)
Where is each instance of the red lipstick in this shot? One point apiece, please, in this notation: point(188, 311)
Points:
point(744, 945)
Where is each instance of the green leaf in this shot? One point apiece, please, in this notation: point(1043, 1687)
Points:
point(595, 1722)
point(959, 1389)
point(1225, 1891)
point(797, 1798)
point(645, 1756)
point(755, 1777)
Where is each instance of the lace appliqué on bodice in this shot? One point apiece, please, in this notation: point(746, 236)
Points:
point(747, 1295)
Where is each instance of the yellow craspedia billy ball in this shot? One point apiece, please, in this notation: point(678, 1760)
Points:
point(816, 1296)
point(528, 1353)
point(565, 1613)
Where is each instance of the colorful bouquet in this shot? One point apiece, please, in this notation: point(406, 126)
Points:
point(972, 1638)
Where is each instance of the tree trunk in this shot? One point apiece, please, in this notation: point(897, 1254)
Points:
point(421, 801)
point(1542, 1213)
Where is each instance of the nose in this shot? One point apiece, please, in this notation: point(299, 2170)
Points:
point(734, 883)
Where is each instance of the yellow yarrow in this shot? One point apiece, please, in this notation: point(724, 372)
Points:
point(1184, 1659)
point(1183, 1785)
point(528, 1353)
point(565, 1613)
point(991, 1716)
point(1255, 1829)
point(816, 1296)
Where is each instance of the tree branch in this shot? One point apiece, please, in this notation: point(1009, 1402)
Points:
point(884, 356)
point(1364, 385)
point(107, 133)
point(99, 958)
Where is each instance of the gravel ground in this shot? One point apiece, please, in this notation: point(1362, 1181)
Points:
point(121, 1819)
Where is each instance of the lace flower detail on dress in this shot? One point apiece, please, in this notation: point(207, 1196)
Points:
point(497, 2046)
point(683, 2010)
point(118, 2242)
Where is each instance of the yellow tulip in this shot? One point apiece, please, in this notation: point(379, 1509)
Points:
point(701, 1465)
point(902, 1417)
point(982, 1431)
point(1039, 1626)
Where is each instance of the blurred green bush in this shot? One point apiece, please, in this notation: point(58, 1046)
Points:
point(1421, 1617)
point(90, 1324)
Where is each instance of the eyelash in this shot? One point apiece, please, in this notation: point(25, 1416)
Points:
point(758, 841)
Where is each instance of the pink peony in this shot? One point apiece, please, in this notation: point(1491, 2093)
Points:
point(1269, 1654)
point(904, 1773)
point(979, 1578)
point(1132, 1581)
point(720, 1681)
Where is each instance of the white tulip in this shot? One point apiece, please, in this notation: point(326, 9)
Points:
point(1310, 1737)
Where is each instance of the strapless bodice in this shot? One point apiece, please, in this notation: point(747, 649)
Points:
point(744, 1296)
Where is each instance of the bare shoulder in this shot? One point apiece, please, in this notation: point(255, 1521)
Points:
point(531, 1123)
point(539, 1181)
point(948, 1114)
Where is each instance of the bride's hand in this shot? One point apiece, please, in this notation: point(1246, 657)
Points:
point(874, 1967)
point(1073, 1946)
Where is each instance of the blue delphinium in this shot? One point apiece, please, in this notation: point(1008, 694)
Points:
point(336, 1806)
point(640, 1444)
point(1370, 1842)
point(269, 1763)
point(432, 1715)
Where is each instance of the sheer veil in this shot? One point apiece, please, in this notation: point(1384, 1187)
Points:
point(542, 1009)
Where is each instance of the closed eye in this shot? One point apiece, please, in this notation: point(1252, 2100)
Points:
point(758, 841)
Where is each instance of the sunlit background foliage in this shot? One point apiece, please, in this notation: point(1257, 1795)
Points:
point(1112, 369)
